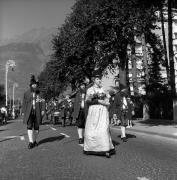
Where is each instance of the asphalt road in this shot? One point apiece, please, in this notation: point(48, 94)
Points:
point(60, 157)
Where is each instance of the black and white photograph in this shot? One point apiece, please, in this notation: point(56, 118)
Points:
point(88, 89)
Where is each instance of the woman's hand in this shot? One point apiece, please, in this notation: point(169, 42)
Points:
point(104, 102)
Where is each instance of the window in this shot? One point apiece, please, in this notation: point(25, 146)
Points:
point(175, 34)
point(175, 49)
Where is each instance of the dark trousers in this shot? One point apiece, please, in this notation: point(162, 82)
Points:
point(32, 121)
point(124, 118)
point(80, 121)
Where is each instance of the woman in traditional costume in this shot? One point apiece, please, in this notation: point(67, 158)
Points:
point(97, 138)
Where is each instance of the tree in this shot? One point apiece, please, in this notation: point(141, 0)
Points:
point(170, 47)
point(2, 95)
point(165, 46)
point(95, 33)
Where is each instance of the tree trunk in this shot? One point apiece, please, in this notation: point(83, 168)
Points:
point(171, 60)
point(170, 41)
point(123, 72)
point(134, 71)
point(165, 47)
point(145, 62)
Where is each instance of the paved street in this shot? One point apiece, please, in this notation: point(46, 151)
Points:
point(59, 156)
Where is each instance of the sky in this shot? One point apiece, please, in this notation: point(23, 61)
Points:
point(19, 16)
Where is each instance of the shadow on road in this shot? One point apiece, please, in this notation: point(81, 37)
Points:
point(3, 130)
point(6, 139)
point(52, 139)
point(39, 130)
point(115, 143)
point(129, 136)
point(157, 122)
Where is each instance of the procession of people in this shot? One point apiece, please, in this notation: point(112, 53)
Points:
point(92, 110)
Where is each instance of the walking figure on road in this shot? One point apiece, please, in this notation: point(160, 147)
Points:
point(33, 110)
point(4, 115)
point(97, 139)
point(123, 110)
point(79, 111)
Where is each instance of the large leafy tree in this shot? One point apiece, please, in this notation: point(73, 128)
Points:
point(95, 33)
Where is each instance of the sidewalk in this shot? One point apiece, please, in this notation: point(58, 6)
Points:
point(164, 128)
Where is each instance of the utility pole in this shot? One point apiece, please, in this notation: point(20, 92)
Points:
point(9, 63)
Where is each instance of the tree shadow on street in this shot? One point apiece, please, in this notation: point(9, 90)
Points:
point(158, 122)
point(6, 139)
point(40, 131)
point(3, 130)
point(52, 139)
point(115, 143)
point(129, 136)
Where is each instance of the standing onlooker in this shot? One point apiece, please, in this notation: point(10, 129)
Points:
point(123, 110)
point(145, 110)
point(79, 111)
point(97, 138)
point(4, 114)
point(131, 111)
point(33, 111)
point(112, 108)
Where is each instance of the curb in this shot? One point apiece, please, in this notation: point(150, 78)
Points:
point(149, 133)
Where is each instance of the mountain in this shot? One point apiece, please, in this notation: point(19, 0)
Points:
point(42, 36)
point(30, 51)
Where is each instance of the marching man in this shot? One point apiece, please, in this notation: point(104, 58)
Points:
point(32, 111)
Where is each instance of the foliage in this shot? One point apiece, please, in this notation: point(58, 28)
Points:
point(2, 95)
point(94, 34)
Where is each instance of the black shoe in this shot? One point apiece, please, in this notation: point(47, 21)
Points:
point(35, 144)
point(30, 145)
point(81, 140)
point(108, 155)
point(124, 139)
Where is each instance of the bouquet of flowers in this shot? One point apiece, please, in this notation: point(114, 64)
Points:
point(99, 96)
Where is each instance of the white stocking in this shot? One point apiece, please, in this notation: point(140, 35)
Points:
point(122, 132)
point(36, 132)
point(80, 132)
point(30, 135)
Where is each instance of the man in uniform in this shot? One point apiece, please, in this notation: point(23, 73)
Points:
point(123, 109)
point(79, 110)
point(32, 110)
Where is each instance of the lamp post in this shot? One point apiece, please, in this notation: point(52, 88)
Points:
point(13, 106)
point(9, 63)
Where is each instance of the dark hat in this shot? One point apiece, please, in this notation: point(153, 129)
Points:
point(33, 80)
point(112, 93)
point(97, 73)
point(81, 82)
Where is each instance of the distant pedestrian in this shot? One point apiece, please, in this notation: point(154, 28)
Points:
point(112, 108)
point(32, 110)
point(123, 110)
point(131, 111)
point(4, 114)
point(145, 110)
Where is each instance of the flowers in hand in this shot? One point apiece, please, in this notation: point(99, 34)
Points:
point(98, 96)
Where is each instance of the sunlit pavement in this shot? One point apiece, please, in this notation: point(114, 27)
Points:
point(59, 156)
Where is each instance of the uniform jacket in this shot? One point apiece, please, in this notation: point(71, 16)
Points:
point(27, 106)
point(118, 102)
point(77, 104)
